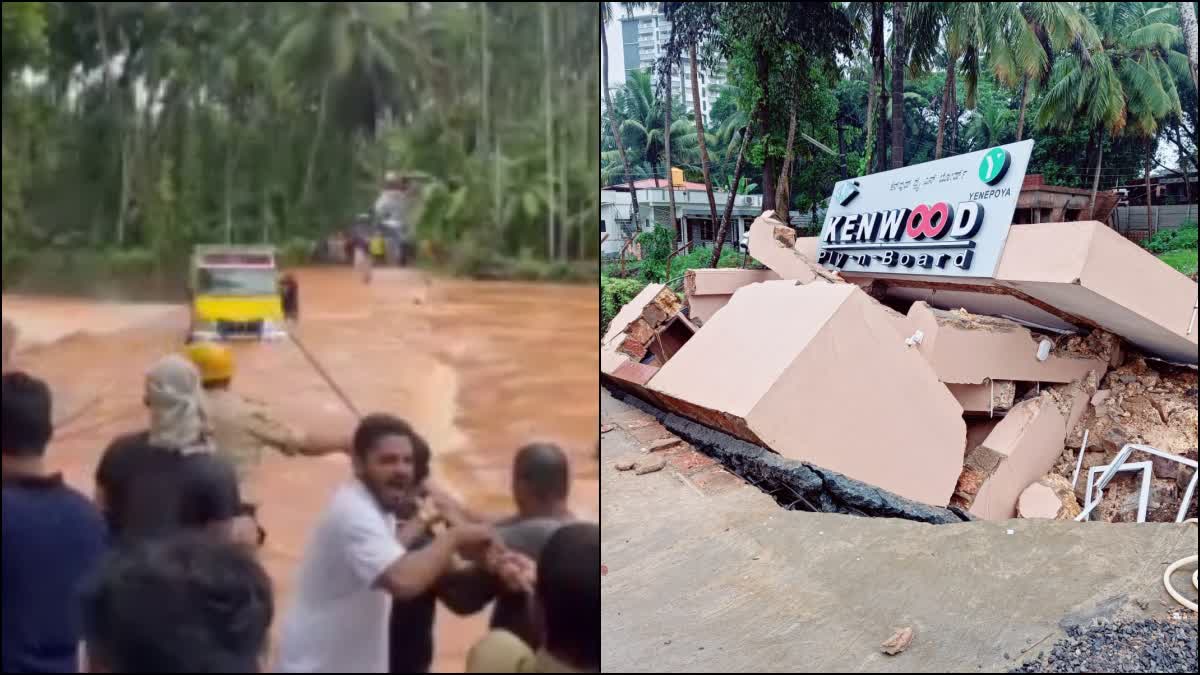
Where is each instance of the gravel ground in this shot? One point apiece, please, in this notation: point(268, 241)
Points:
point(1145, 646)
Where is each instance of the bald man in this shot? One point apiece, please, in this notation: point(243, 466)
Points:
point(541, 485)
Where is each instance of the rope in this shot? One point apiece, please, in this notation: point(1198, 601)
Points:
point(1171, 570)
point(326, 376)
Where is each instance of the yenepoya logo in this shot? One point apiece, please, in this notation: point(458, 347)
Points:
point(930, 227)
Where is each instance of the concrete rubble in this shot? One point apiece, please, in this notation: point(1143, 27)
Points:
point(968, 396)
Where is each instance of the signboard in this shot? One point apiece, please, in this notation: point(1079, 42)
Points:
point(948, 217)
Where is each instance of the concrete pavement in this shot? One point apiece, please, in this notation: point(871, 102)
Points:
point(707, 574)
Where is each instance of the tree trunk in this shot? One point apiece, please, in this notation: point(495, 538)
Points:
point(783, 197)
point(564, 95)
point(1150, 143)
point(612, 121)
point(1187, 21)
point(126, 178)
point(1183, 161)
point(667, 143)
point(737, 179)
point(762, 75)
point(842, 148)
point(952, 141)
point(322, 113)
point(712, 201)
point(485, 76)
point(949, 96)
point(229, 166)
point(547, 96)
point(1096, 180)
point(898, 61)
point(878, 65)
point(1021, 116)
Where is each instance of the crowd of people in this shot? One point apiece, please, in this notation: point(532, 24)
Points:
point(159, 570)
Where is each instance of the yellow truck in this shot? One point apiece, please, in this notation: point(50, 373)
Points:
point(235, 294)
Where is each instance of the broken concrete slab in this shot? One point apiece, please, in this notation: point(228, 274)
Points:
point(774, 244)
point(1024, 446)
point(631, 311)
point(1050, 497)
point(987, 397)
point(1066, 276)
point(964, 348)
point(794, 367)
point(708, 290)
point(1038, 501)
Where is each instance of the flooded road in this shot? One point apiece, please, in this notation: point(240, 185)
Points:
point(478, 368)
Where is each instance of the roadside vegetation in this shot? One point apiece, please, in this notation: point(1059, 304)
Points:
point(1176, 247)
point(132, 131)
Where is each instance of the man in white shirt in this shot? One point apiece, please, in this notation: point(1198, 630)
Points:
point(355, 565)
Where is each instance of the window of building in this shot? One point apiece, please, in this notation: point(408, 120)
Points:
point(603, 226)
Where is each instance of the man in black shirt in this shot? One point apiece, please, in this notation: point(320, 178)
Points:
point(146, 491)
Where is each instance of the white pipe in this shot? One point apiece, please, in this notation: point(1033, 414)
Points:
point(1079, 462)
point(1171, 570)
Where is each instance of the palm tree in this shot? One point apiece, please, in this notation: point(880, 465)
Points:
point(667, 104)
point(1119, 84)
point(963, 28)
point(899, 62)
point(345, 46)
point(989, 126)
point(1024, 39)
point(606, 15)
point(644, 116)
point(1187, 22)
point(708, 188)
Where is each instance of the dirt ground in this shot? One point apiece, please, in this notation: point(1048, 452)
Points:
point(479, 368)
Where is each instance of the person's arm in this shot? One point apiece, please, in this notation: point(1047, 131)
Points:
point(415, 573)
point(270, 431)
point(502, 570)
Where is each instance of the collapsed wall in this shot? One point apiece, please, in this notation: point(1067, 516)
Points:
point(971, 396)
point(818, 373)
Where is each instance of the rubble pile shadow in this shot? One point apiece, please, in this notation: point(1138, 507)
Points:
point(795, 485)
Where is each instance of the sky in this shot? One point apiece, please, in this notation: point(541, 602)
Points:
point(616, 55)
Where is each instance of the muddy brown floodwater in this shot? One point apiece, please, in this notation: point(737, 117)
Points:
point(479, 368)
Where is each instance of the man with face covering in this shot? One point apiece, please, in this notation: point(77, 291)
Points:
point(169, 477)
point(355, 564)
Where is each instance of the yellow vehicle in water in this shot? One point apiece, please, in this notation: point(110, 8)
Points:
point(235, 294)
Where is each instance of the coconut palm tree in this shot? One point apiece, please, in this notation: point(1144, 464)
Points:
point(606, 15)
point(339, 47)
point(1024, 40)
point(899, 63)
point(1119, 84)
point(963, 28)
point(1187, 22)
point(988, 126)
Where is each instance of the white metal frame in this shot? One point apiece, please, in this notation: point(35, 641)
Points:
point(1147, 469)
point(1123, 455)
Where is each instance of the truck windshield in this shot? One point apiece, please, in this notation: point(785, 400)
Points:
point(237, 282)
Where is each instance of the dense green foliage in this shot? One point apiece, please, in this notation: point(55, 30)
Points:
point(615, 293)
point(1184, 237)
point(1094, 84)
point(155, 126)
